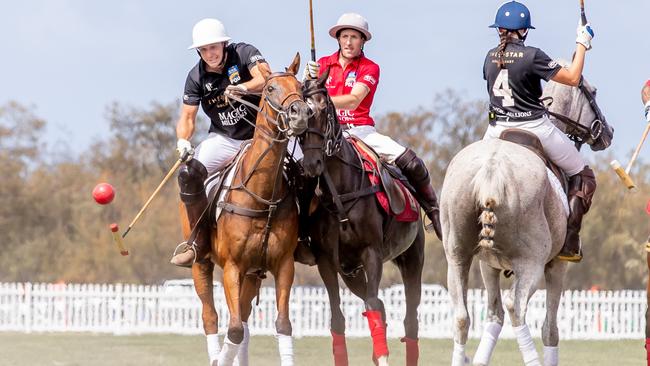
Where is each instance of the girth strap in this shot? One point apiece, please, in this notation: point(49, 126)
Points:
point(364, 192)
point(242, 211)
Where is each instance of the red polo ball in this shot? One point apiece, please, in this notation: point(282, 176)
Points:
point(647, 209)
point(103, 193)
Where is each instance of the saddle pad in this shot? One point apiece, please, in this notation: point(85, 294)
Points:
point(412, 209)
point(559, 190)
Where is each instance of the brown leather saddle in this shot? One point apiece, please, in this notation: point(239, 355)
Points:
point(532, 143)
point(396, 199)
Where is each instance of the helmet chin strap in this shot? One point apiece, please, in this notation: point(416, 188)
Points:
point(522, 36)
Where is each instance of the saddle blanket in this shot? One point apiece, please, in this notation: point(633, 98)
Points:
point(411, 211)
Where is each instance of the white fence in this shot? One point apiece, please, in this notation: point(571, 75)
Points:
point(133, 309)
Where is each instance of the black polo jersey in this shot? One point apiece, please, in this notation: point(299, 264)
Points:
point(515, 90)
point(207, 88)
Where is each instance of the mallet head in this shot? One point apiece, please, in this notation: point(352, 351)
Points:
point(625, 178)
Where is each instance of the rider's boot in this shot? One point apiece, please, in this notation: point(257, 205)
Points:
point(582, 187)
point(305, 191)
point(416, 172)
point(191, 178)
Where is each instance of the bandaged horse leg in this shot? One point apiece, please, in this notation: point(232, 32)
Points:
point(228, 353)
point(418, 175)
point(582, 187)
point(214, 348)
point(190, 180)
point(554, 276)
point(283, 281)
point(457, 276)
point(495, 315)
point(375, 313)
point(337, 321)
point(248, 293)
point(339, 349)
point(517, 303)
point(410, 264)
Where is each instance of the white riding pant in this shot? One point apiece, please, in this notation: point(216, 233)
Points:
point(215, 151)
point(387, 148)
point(557, 146)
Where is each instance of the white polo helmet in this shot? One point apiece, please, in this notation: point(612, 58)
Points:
point(208, 31)
point(351, 21)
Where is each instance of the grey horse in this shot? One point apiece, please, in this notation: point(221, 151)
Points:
point(499, 202)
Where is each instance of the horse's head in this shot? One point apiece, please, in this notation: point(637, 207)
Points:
point(283, 93)
point(578, 104)
point(323, 133)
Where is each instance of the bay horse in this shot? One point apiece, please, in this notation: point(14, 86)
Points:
point(500, 203)
point(354, 237)
point(257, 229)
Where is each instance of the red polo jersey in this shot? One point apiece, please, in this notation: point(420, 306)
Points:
point(341, 81)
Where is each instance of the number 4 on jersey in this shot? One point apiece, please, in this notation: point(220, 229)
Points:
point(502, 89)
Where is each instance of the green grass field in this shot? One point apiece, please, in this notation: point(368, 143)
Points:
point(172, 350)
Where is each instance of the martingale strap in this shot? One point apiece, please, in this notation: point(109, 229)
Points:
point(340, 211)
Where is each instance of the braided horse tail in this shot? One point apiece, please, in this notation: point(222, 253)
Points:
point(489, 189)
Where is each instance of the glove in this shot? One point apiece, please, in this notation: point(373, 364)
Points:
point(184, 149)
point(235, 90)
point(647, 111)
point(311, 71)
point(585, 35)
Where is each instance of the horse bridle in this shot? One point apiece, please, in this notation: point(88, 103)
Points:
point(577, 132)
point(332, 137)
point(284, 130)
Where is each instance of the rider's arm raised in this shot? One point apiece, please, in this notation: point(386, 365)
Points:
point(571, 75)
point(351, 101)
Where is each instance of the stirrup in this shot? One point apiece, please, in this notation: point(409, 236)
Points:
point(184, 247)
point(573, 258)
point(430, 227)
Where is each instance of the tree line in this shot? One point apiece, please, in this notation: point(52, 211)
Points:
point(52, 231)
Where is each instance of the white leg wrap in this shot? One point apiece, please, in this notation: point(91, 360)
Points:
point(526, 346)
point(242, 355)
point(285, 346)
point(213, 347)
point(551, 356)
point(228, 353)
point(458, 357)
point(488, 341)
point(382, 361)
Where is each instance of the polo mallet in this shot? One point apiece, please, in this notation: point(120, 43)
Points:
point(625, 174)
point(311, 28)
point(647, 243)
point(117, 238)
point(583, 16)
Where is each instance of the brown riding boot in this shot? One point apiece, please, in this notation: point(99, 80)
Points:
point(582, 187)
point(416, 172)
point(190, 179)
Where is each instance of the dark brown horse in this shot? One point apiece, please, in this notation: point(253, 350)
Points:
point(257, 229)
point(354, 236)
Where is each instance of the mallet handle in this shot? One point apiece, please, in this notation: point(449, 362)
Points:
point(583, 16)
point(638, 148)
point(169, 175)
point(311, 29)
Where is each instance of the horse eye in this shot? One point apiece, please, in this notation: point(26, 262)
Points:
point(270, 89)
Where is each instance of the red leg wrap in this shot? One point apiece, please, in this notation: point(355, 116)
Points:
point(647, 350)
point(339, 349)
point(412, 351)
point(378, 333)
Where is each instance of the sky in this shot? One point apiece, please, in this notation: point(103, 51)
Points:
point(69, 59)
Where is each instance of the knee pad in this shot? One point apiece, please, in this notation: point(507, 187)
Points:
point(413, 167)
point(191, 178)
point(583, 185)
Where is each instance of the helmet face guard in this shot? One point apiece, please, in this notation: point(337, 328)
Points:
point(513, 16)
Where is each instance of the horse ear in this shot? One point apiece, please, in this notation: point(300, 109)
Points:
point(295, 64)
point(321, 80)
